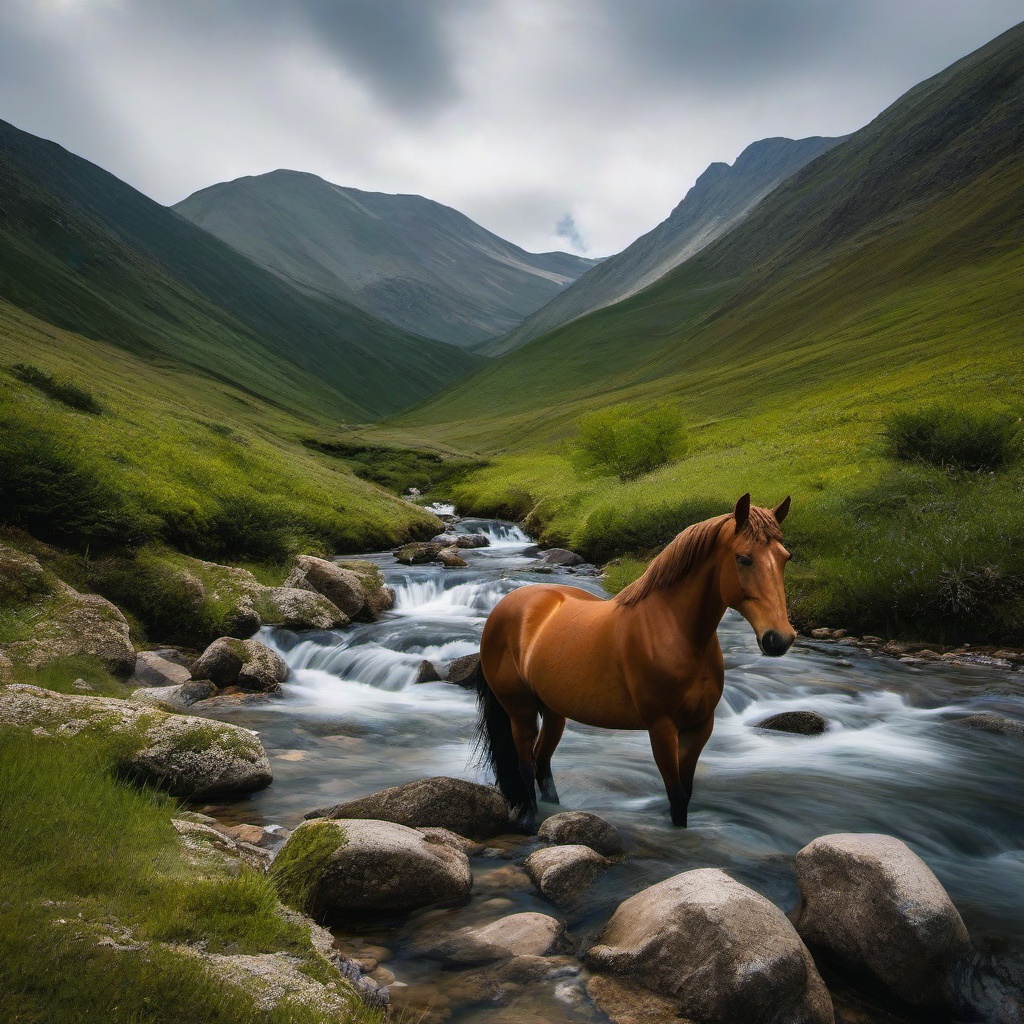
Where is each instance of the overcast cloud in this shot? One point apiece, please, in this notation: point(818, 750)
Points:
point(559, 124)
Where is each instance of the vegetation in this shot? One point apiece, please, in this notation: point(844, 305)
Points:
point(628, 442)
point(952, 438)
point(64, 391)
point(304, 859)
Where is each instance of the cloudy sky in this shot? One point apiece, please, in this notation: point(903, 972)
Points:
point(574, 124)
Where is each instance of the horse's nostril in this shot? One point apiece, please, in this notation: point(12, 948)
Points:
point(773, 643)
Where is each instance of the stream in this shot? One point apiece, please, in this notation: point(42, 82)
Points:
point(352, 721)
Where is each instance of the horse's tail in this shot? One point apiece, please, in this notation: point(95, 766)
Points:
point(495, 747)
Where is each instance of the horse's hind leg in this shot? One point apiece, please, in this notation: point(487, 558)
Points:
point(550, 734)
point(524, 735)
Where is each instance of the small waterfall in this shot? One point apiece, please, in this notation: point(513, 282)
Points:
point(431, 597)
point(499, 533)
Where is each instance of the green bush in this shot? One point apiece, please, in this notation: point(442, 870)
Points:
point(628, 442)
point(64, 391)
point(954, 438)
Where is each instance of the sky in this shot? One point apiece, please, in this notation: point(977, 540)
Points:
point(558, 124)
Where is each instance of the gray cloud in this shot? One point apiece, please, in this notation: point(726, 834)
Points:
point(513, 111)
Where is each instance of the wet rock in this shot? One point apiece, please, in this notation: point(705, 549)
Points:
point(561, 556)
point(451, 559)
point(718, 948)
point(462, 540)
point(995, 724)
point(505, 879)
point(563, 873)
point(186, 756)
point(803, 723)
point(417, 553)
point(452, 839)
point(342, 587)
point(586, 569)
point(376, 867)
point(175, 698)
point(630, 1004)
point(428, 673)
point(294, 608)
point(526, 934)
point(247, 664)
point(154, 668)
point(380, 597)
point(876, 907)
point(462, 671)
point(465, 808)
point(571, 828)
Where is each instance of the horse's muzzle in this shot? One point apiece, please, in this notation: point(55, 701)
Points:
point(774, 644)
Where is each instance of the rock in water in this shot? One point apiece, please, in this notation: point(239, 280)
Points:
point(466, 808)
point(561, 556)
point(186, 756)
point(998, 725)
point(247, 664)
point(724, 952)
point(872, 903)
point(340, 586)
point(462, 671)
point(526, 934)
point(571, 828)
point(380, 597)
point(804, 723)
point(361, 866)
point(417, 553)
point(563, 873)
point(427, 673)
point(451, 559)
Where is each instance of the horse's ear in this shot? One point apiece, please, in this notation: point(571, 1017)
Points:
point(741, 513)
point(781, 511)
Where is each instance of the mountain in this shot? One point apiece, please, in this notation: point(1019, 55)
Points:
point(721, 197)
point(421, 266)
point(84, 251)
point(891, 262)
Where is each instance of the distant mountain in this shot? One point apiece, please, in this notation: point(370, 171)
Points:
point(417, 264)
point(721, 197)
point(86, 252)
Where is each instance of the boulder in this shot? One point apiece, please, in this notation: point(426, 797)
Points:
point(722, 951)
point(561, 556)
point(874, 905)
point(417, 553)
point(361, 866)
point(995, 724)
point(428, 673)
point(563, 873)
point(804, 723)
point(462, 671)
point(380, 597)
point(247, 664)
point(451, 559)
point(456, 842)
point(294, 608)
point(186, 756)
point(342, 587)
point(526, 934)
point(462, 540)
point(466, 808)
point(630, 1004)
point(175, 698)
point(572, 828)
point(153, 668)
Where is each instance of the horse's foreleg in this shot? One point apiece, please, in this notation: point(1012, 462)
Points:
point(665, 745)
point(691, 743)
point(524, 734)
point(550, 734)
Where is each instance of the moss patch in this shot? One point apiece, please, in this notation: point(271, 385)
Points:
point(303, 859)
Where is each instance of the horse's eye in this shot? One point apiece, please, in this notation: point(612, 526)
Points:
point(744, 560)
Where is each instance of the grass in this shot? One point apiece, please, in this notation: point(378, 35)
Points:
point(304, 859)
point(102, 863)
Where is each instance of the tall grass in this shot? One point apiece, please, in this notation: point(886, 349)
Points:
point(954, 438)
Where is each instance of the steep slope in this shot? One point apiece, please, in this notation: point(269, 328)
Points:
point(721, 197)
point(886, 242)
point(417, 264)
point(84, 251)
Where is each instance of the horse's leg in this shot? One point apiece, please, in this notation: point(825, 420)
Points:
point(524, 735)
point(665, 745)
point(550, 734)
point(691, 742)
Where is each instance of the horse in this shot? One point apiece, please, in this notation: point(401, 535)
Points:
point(648, 658)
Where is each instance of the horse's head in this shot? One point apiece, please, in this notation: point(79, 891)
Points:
point(751, 576)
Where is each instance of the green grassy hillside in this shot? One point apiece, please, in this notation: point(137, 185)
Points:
point(86, 252)
point(884, 275)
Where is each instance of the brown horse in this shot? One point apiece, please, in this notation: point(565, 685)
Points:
point(647, 659)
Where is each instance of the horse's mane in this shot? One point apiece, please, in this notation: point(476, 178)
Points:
point(690, 548)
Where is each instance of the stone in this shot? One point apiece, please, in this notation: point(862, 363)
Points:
point(417, 553)
point(998, 725)
point(803, 723)
point(380, 597)
point(451, 559)
point(428, 673)
point(462, 540)
point(724, 953)
point(465, 808)
point(376, 867)
point(463, 671)
point(342, 587)
point(561, 556)
point(452, 839)
point(876, 907)
point(525, 934)
point(247, 664)
point(571, 828)
point(153, 669)
point(563, 873)
point(183, 755)
point(630, 1004)
point(175, 698)
point(294, 608)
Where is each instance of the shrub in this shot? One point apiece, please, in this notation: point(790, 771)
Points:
point(626, 442)
point(954, 438)
point(64, 391)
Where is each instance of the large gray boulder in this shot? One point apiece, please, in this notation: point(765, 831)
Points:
point(380, 597)
point(186, 756)
point(726, 954)
point(357, 867)
point(875, 906)
point(564, 873)
point(247, 664)
point(295, 608)
point(561, 556)
point(581, 828)
point(155, 668)
point(466, 808)
point(340, 586)
point(175, 698)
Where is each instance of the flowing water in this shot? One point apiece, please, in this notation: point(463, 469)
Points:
point(353, 721)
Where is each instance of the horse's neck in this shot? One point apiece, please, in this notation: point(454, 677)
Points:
point(693, 607)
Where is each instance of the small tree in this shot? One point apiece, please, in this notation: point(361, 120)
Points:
point(627, 442)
